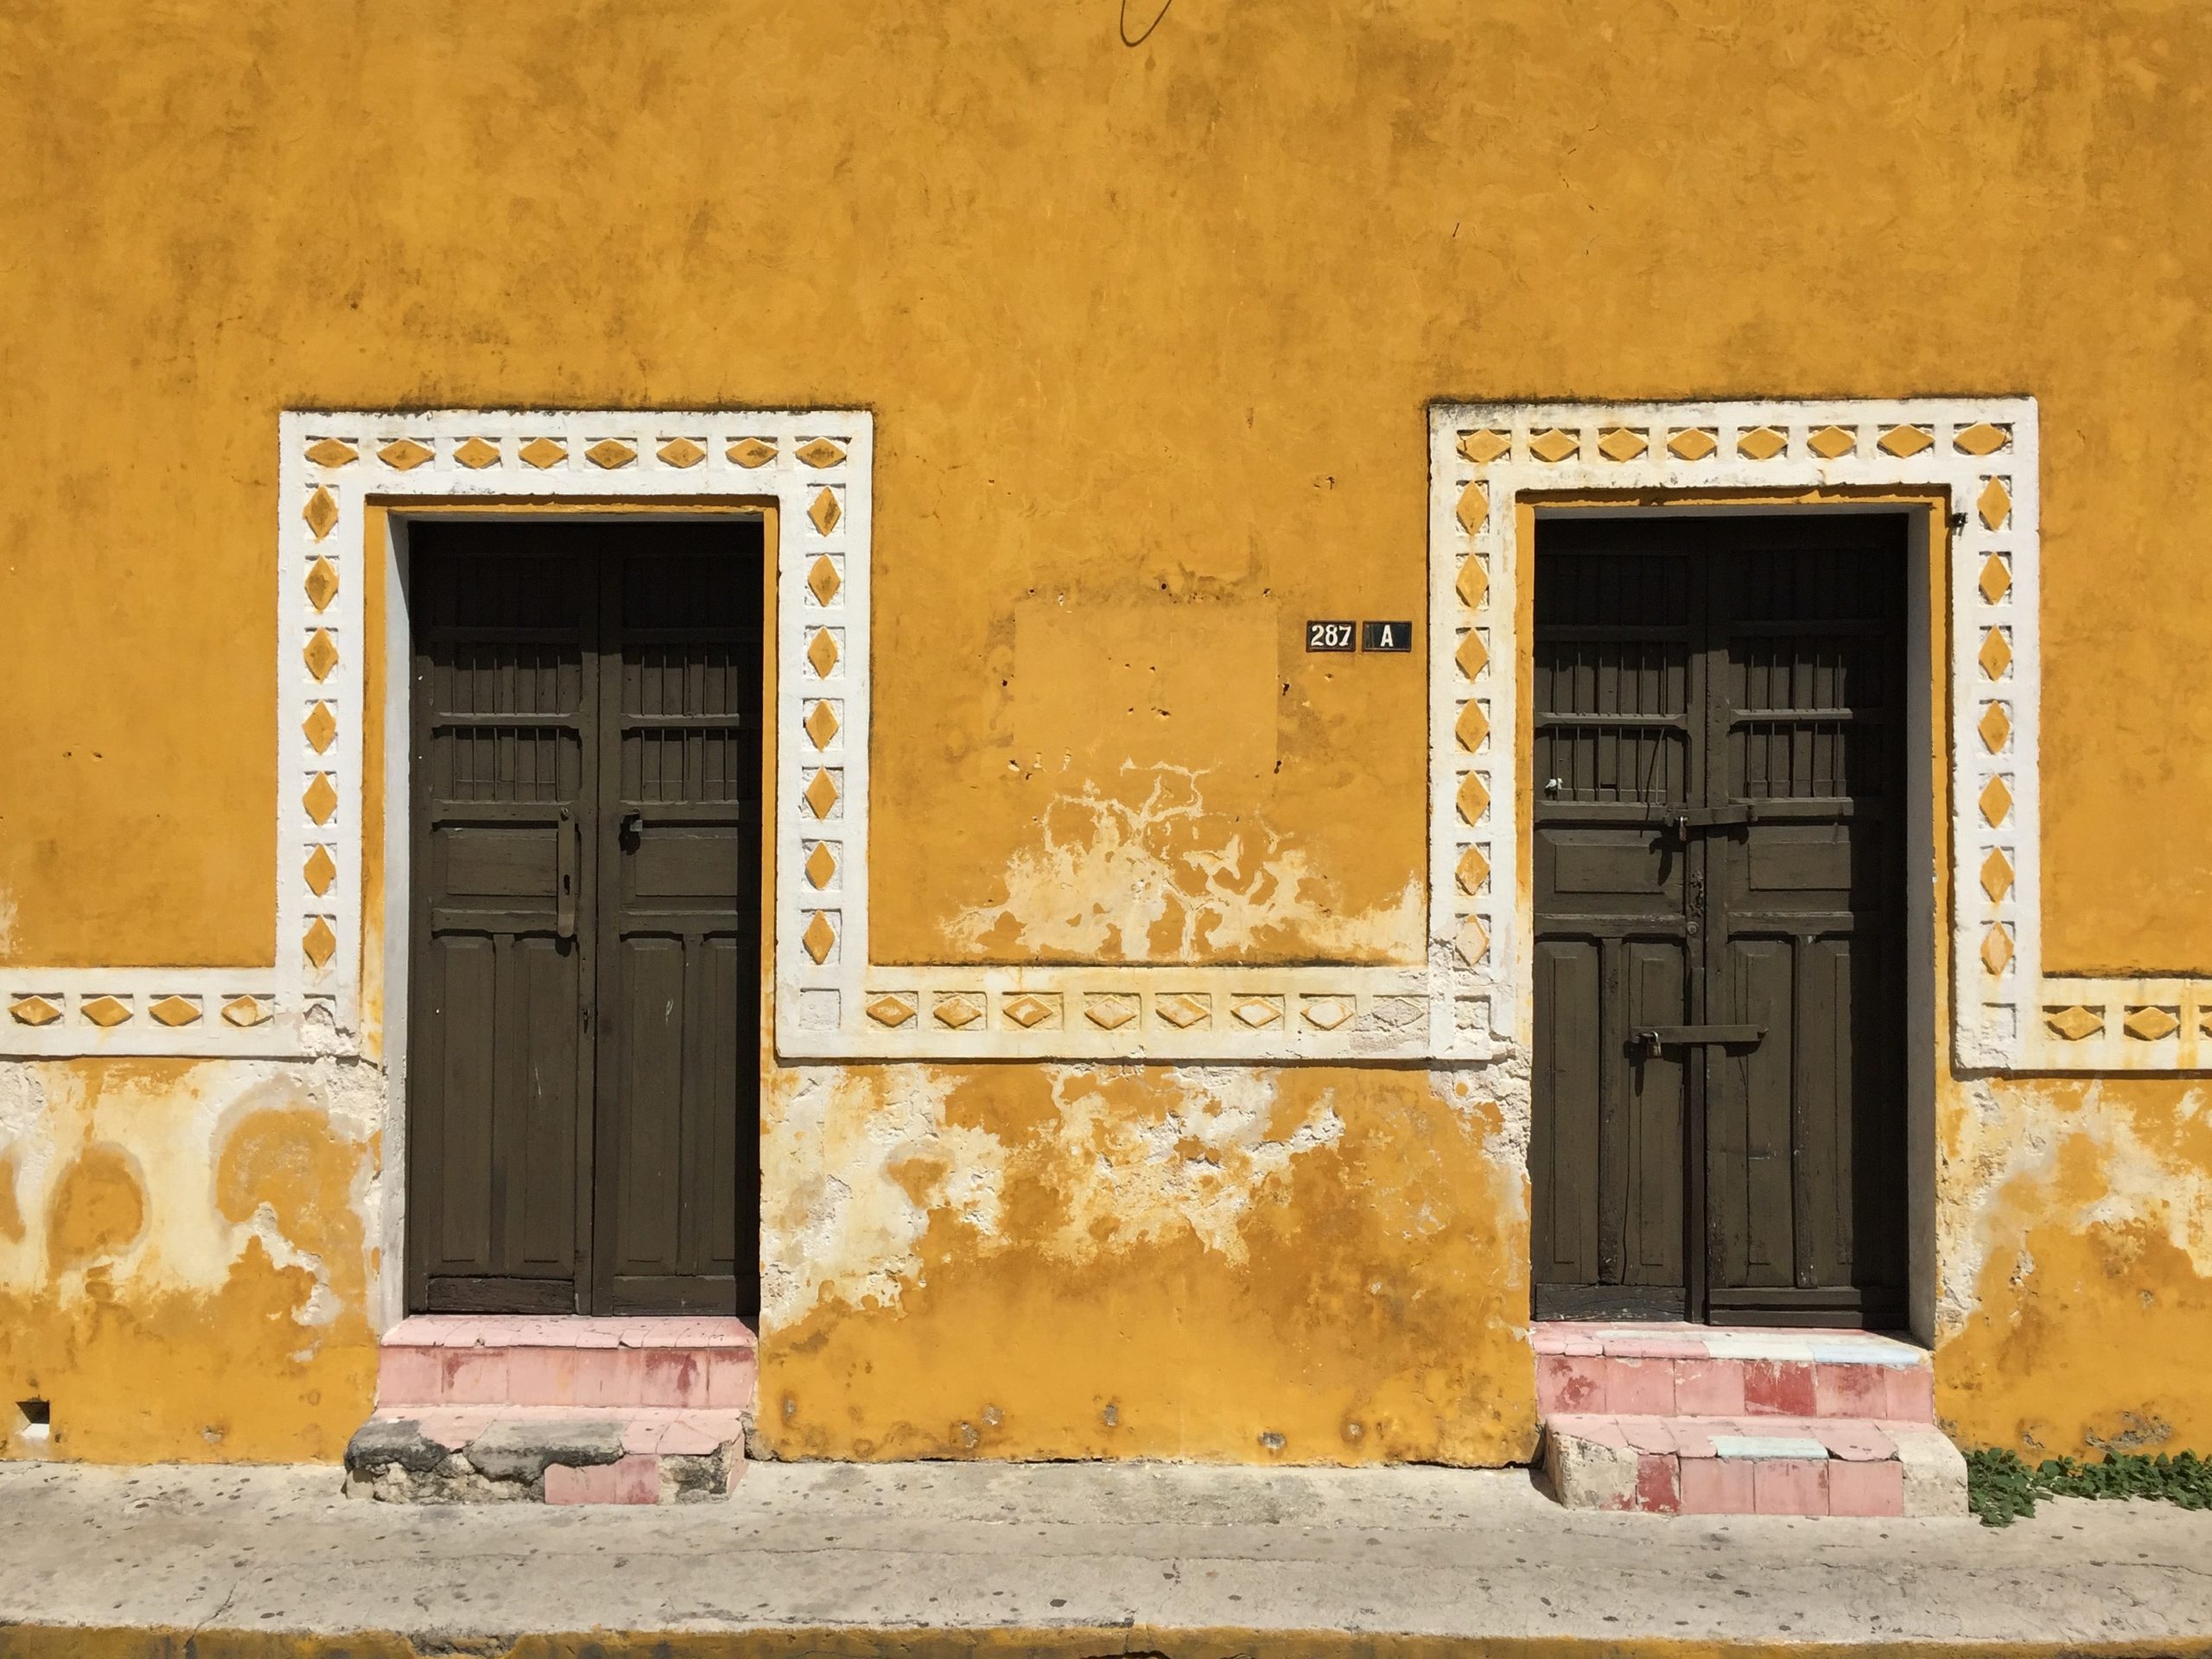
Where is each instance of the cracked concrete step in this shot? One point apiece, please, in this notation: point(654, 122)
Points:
point(1752, 1466)
point(551, 1454)
point(443, 1359)
point(1659, 1369)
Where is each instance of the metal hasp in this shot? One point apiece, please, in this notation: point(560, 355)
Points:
point(1651, 1039)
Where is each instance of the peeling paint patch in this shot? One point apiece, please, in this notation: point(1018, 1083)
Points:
point(1148, 874)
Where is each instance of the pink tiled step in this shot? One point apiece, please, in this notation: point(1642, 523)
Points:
point(1708, 1370)
point(450, 1359)
point(1760, 1465)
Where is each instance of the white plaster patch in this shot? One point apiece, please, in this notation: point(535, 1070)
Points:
point(1197, 1166)
point(2018, 1142)
point(1109, 871)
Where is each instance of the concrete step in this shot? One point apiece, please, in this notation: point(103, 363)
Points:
point(549, 1455)
point(1752, 1466)
point(449, 1359)
point(1660, 1369)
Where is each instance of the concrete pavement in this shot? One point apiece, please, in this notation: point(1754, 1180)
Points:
point(1062, 1559)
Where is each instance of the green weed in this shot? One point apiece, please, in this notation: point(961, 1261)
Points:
point(2001, 1487)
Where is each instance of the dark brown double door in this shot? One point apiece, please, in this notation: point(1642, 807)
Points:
point(1719, 867)
point(582, 1077)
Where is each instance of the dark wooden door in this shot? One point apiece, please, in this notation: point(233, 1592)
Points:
point(582, 1085)
point(1719, 867)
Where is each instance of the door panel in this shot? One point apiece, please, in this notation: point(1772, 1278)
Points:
point(499, 1082)
point(1718, 754)
point(681, 823)
point(583, 1096)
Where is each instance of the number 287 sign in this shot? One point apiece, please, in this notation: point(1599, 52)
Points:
point(1362, 636)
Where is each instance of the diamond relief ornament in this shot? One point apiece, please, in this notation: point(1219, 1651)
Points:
point(332, 452)
point(1905, 441)
point(1472, 726)
point(821, 725)
point(892, 1008)
point(822, 581)
point(1621, 443)
point(477, 454)
point(1483, 447)
point(105, 1011)
point(1026, 1011)
point(1995, 504)
point(1996, 874)
point(821, 652)
point(824, 511)
point(404, 455)
point(681, 453)
point(1833, 442)
point(322, 798)
point(819, 453)
point(752, 452)
point(1109, 1013)
point(245, 1012)
point(1472, 941)
point(320, 728)
point(320, 512)
point(1473, 655)
point(819, 937)
point(1473, 872)
point(1995, 727)
point(322, 584)
point(1184, 1010)
point(609, 454)
point(1997, 948)
point(34, 1011)
point(1996, 579)
point(1996, 654)
point(2074, 1023)
point(320, 943)
point(821, 866)
point(1996, 801)
point(542, 453)
point(956, 1010)
point(821, 794)
point(1693, 443)
point(174, 1011)
point(1762, 444)
point(2149, 1025)
point(1326, 1012)
point(1257, 1012)
point(1474, 581)
point(321, 654)
point(1474, 797)
point(1553, 445)
point(1980, 439)
point(320, 871)
point(1474, 507)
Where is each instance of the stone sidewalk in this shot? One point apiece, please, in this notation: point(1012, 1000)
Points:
point(1065, 1560)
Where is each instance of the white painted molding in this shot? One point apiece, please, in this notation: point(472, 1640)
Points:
point(1486, 458)
point(1467, 1002)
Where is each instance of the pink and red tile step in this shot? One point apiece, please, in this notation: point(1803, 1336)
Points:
point(1752, 1466)
point(1704, 1371)
point(467, 1360)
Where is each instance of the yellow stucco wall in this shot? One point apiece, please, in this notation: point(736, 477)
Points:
point(1149, 336)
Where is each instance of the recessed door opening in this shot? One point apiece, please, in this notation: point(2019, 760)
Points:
point(584, 955)
point(1721, 724)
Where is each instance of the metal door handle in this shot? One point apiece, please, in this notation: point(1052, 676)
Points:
point(630, 831)
point(567, 854)
point(1652, 1039)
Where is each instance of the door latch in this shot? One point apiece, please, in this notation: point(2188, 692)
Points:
point(1649, 1039)
point(630, 831)
point(568, 855)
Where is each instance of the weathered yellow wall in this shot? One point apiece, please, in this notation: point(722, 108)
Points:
point(1149, 335)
